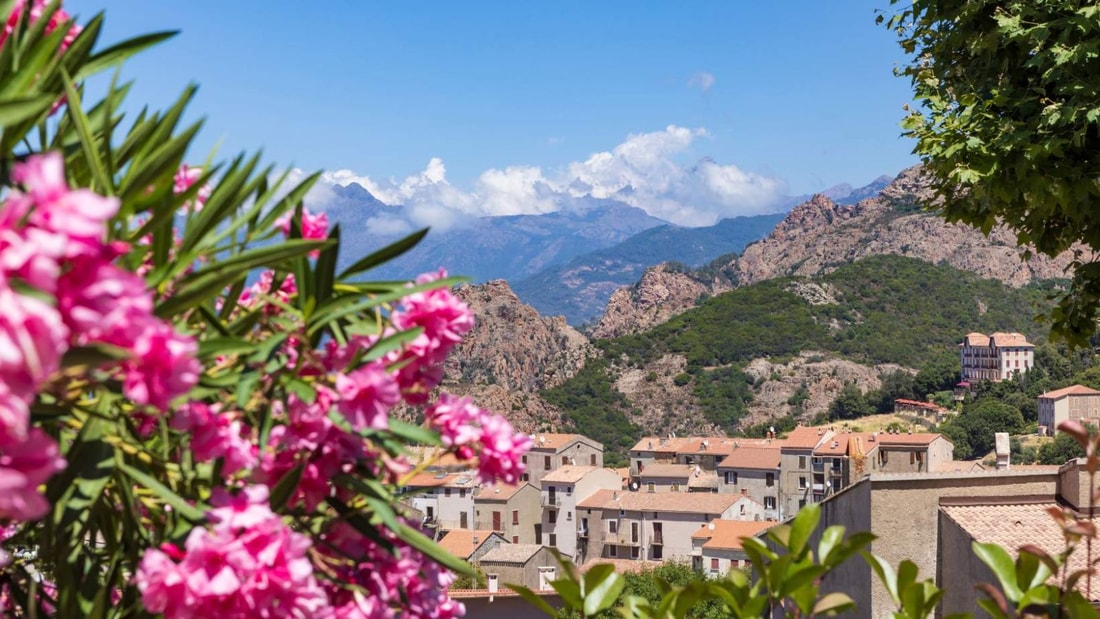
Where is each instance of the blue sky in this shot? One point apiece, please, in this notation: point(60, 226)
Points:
point(786, 97)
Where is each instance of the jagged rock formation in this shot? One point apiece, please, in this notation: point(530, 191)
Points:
point(664, 406)
point(819, 235)
point(661, 294)
point(511, 345)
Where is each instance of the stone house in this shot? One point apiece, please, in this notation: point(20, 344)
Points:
point(552, 451)
point(912, 453)
point(562, 490)
point(995, 357)
point(753, 471)
point(530, 565)
point(470, 545)
point(513, 510)
point(1076, 402)
point(445, 499)
point(656, 526)
point(704, 452)
point(797, 486)
point(717, 546)
point(666, 477)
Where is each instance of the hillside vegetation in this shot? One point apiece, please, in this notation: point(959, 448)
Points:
point(882, 309)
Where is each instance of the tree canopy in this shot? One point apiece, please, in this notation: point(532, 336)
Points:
point(1007, 126)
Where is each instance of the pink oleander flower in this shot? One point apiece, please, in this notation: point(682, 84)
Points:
point(163, 367)
point(455, 419)
point(215, 435)
point(502, 449)
point(78, 214)
point(24, 466)
point(184, 179)
point(444, 317)
point(32, 340)
point(37, 8)
point(104, 303)
point(314, 226)
point(248, 564)
point(367, 395)
point(260, 290)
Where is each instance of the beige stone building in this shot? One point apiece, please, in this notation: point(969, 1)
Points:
point(912, 453)
point(704, 452)
point(530, 565)
point(1076, 402)
point(717, 546)
point(562, 490)
point(903, 510)
point(445, 499)
point(995, 357)
point(677, 478)
point(797, 486)
point(514, 511)
point(656, 526)
point(552, 451)
point(470, 545)
point(754, 471)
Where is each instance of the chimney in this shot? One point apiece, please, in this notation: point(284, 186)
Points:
point(1003, 450)
point(744, 492)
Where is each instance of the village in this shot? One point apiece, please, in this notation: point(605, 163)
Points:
point(692, 499)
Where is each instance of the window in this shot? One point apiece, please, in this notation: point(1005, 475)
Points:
point(515, 516)
point(650, 487)
point(769, 502)
point(656, 552)
point(641, 466)
point(912, 457)
point(675, 487)
point(553, 516)
point(801, 503)
point(525, 477)
point(801, 462)
point(634, 554)
point(592, 460)
point(802, 483)
point(553, 539)
point(742, 508)
point(564, 460)
point(525, 459)
point(731, 477)
point(612, 551)
point(447, 492)
point(569, 516)
point(612, 526)
point(769, 479)
point(546, 463)
point(515, 539)
point(714, 565)
point(462, 493)
point(569, 491)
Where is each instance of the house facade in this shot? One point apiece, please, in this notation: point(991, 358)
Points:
point(562, 489)
point(445, 499)
point(995, 357)
point(798, 486)
point(753, 471)
point(551, 451)
point(512, 510)
point(717, 546)
point(1077, 402)
point(530, 565)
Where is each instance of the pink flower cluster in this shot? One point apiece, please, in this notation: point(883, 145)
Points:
point(314, 226)
point(475, 432)
point(216, 435)
point(38, 7)
point(386, 582)
point(249, 563)
point(52, 249)
point(184, 179)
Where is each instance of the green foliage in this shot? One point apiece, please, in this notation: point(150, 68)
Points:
point(1008, 125)
point(1061, 450)
point(972, 431)
point(850, 404)
point(596, 409)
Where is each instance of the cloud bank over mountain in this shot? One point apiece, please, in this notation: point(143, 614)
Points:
point(646, 170)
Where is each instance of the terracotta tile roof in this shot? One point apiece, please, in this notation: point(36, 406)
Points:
point(1010, 339)
point(502, 592)
point(727, 534)
point(511, 553)
point(721, 445)
point(1011, 525)
point(681, 471)
point(757, 458)
point(622, 565)
point(435, 480)
point(460, 542)
point(500, 491)
point(1065, 391)
point(705, 479)
point(678, 502)
point(570, 473)
point(624, 474)
point(555, 442)
point(918, 404)
point(976, 339)
point(835, 446)
point(805, 437)
point(958, 466)
point(917, 438)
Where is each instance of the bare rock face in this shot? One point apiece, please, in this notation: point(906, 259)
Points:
point(511, 345)
point(823, 376)
point(665, 406)
point(661, 294)
point(819, 235)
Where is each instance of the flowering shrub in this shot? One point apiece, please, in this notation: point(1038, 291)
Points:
point(195, 404)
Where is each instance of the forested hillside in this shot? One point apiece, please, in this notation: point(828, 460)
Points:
point(882, 309)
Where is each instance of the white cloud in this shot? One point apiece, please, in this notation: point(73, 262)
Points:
point(702, 80)
point(646, 170)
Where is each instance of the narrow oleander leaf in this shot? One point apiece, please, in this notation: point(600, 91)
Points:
point(195, 513)
point(383, 255)
point(13, 111)
point(285, 487)
point(88, 142)
point(119, 52)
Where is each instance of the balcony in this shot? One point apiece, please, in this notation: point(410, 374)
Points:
point(818, 465)
point(620, 539)
point(836, 471)
point(582, 533)
point(551, 500)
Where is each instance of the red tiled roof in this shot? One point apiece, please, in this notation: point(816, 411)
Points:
point(805, 437)
point(727, 534)
point(679, 502)
point(570, 473)
point(1058, 394)
point(757, 458)
point(668, 470)
point(460, 542)
point(927, 405)
point(557, 441)
point(835, 446)
point(502, 592)
point(718, 445)
point(918, 438)
point(976, 339)
point(622, 565)
point(500, 491)
point(1002, 340)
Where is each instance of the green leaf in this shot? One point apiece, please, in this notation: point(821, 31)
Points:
point(413, 434)
point(87, 140)
point(1000, 562)
point(886, 575)
point(13, 111)
point(384, 255)
point(802, 527)
point(119, 52)
point(285, 487)
point(602, 587)
point(833, 603)
point(195, 513)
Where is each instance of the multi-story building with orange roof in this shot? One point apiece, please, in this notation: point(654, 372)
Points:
point(562, 489)
point(995, 357)
point(445, 499)
point(1077, 402)
point(753, 471)
point(705, 452)
point(716, 547)
point(551, 451)
point(798, 486)
point(513, 510)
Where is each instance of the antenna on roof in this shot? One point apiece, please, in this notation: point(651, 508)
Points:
point(710, 525)
point(634, 485)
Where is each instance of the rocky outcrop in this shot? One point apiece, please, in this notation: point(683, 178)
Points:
point(819, 235)
point(661, 294)
point(511, 345)
point(663, 406)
